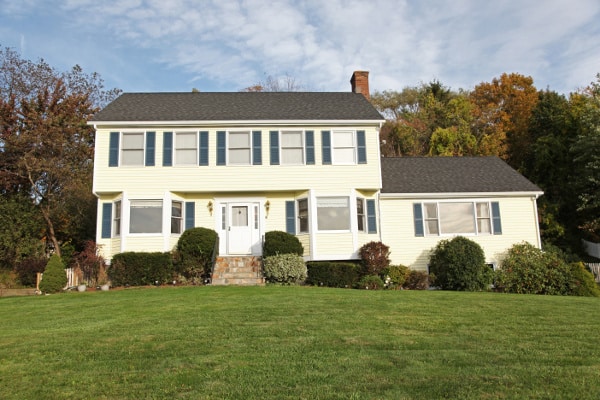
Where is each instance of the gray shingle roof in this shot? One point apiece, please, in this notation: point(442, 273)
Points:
point(451, 175)
point(238, 106)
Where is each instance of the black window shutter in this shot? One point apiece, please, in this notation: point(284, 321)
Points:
point(106, 220)
point(418, 215)
point(256, 147)
point(362, 147)
point(221, 150)
point(326, 147)
point(190, 214)
point(203, 153)
point(496, 218)
point(309, 138)
point(274, 147)
point(167, 149)
point(150, 148)
point(290, 217)
point(371, 217)
point(113, 152)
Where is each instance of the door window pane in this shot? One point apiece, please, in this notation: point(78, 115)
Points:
point(239, 216)
point(176, 216)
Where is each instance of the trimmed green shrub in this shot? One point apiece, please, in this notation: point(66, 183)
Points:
point(55, 277)
point(279, 242)
point(284, 268)
point(459, 264)
point(333, 274)
point(194, 252)
point(375, 257)
point(370, 282)
point(417, 280)
point(139, 269)
point(395, 276)
point(527, 269)
point(28, 268)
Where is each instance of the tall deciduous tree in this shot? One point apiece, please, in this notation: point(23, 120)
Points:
point(586, 158)
point(46, 147)
point(502, 111)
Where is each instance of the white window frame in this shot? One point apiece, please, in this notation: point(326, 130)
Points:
point(118, 218)
point(122, 149)
point(176, 161)
point(303, 215)
point(229, 148)
point(476, 219)
point(337, 146)
point(180, 219)
point(361, 217)
point(302, 146)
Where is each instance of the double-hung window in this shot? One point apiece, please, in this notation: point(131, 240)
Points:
point(145, 216)
point(292, 148)
point(458, 218)
point(333, 213)
point(344, 147)
point(176, 217)
point(186, 148)
point(239, 148)
point(117, 218)
point(360, 214)
point(132, 149)
point(303, 215)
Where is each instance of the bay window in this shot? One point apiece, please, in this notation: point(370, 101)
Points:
point(145, 216)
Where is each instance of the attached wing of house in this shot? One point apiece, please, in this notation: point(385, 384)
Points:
point(241, 164)
point(426, 199)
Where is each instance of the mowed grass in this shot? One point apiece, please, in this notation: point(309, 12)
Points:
point(298, 343)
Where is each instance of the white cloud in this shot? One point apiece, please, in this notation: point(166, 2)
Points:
point(228, 45)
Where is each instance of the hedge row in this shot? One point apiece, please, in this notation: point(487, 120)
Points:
point(139, 269)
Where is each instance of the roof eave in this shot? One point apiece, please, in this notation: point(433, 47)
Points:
point(240, 122)
point(459, 195)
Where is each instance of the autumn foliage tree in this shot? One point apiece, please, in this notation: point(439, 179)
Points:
point(46, 146)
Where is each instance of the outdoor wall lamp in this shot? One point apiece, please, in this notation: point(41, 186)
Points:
point(267, 207)
point(210, 207)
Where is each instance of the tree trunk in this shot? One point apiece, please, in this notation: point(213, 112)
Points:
point(51, 234)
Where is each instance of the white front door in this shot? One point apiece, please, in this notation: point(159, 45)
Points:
point(242, 228)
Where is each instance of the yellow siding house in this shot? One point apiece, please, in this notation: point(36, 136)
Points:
point(307, 163)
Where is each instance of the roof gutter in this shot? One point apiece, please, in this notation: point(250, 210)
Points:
point(458, 195)
point(378, 122)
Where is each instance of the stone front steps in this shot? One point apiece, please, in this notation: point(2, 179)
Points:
point(238, 270)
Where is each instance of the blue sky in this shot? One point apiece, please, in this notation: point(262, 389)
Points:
point(227, 45)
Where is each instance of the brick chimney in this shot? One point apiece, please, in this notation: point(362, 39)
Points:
point(360, 83)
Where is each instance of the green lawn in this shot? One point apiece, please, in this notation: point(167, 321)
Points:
point(298, 343)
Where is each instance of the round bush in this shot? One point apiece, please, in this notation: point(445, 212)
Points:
point(396, 275)
point(195, 251)
point(279, 242)
point(375, 257)
point(527, 269)
point(417, 280)
point(459, 264)
point(284, 269)
point(55, 278)
point(582, 281)
point(371, 282)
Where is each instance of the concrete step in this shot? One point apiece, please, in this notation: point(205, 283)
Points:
point(238, 281)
